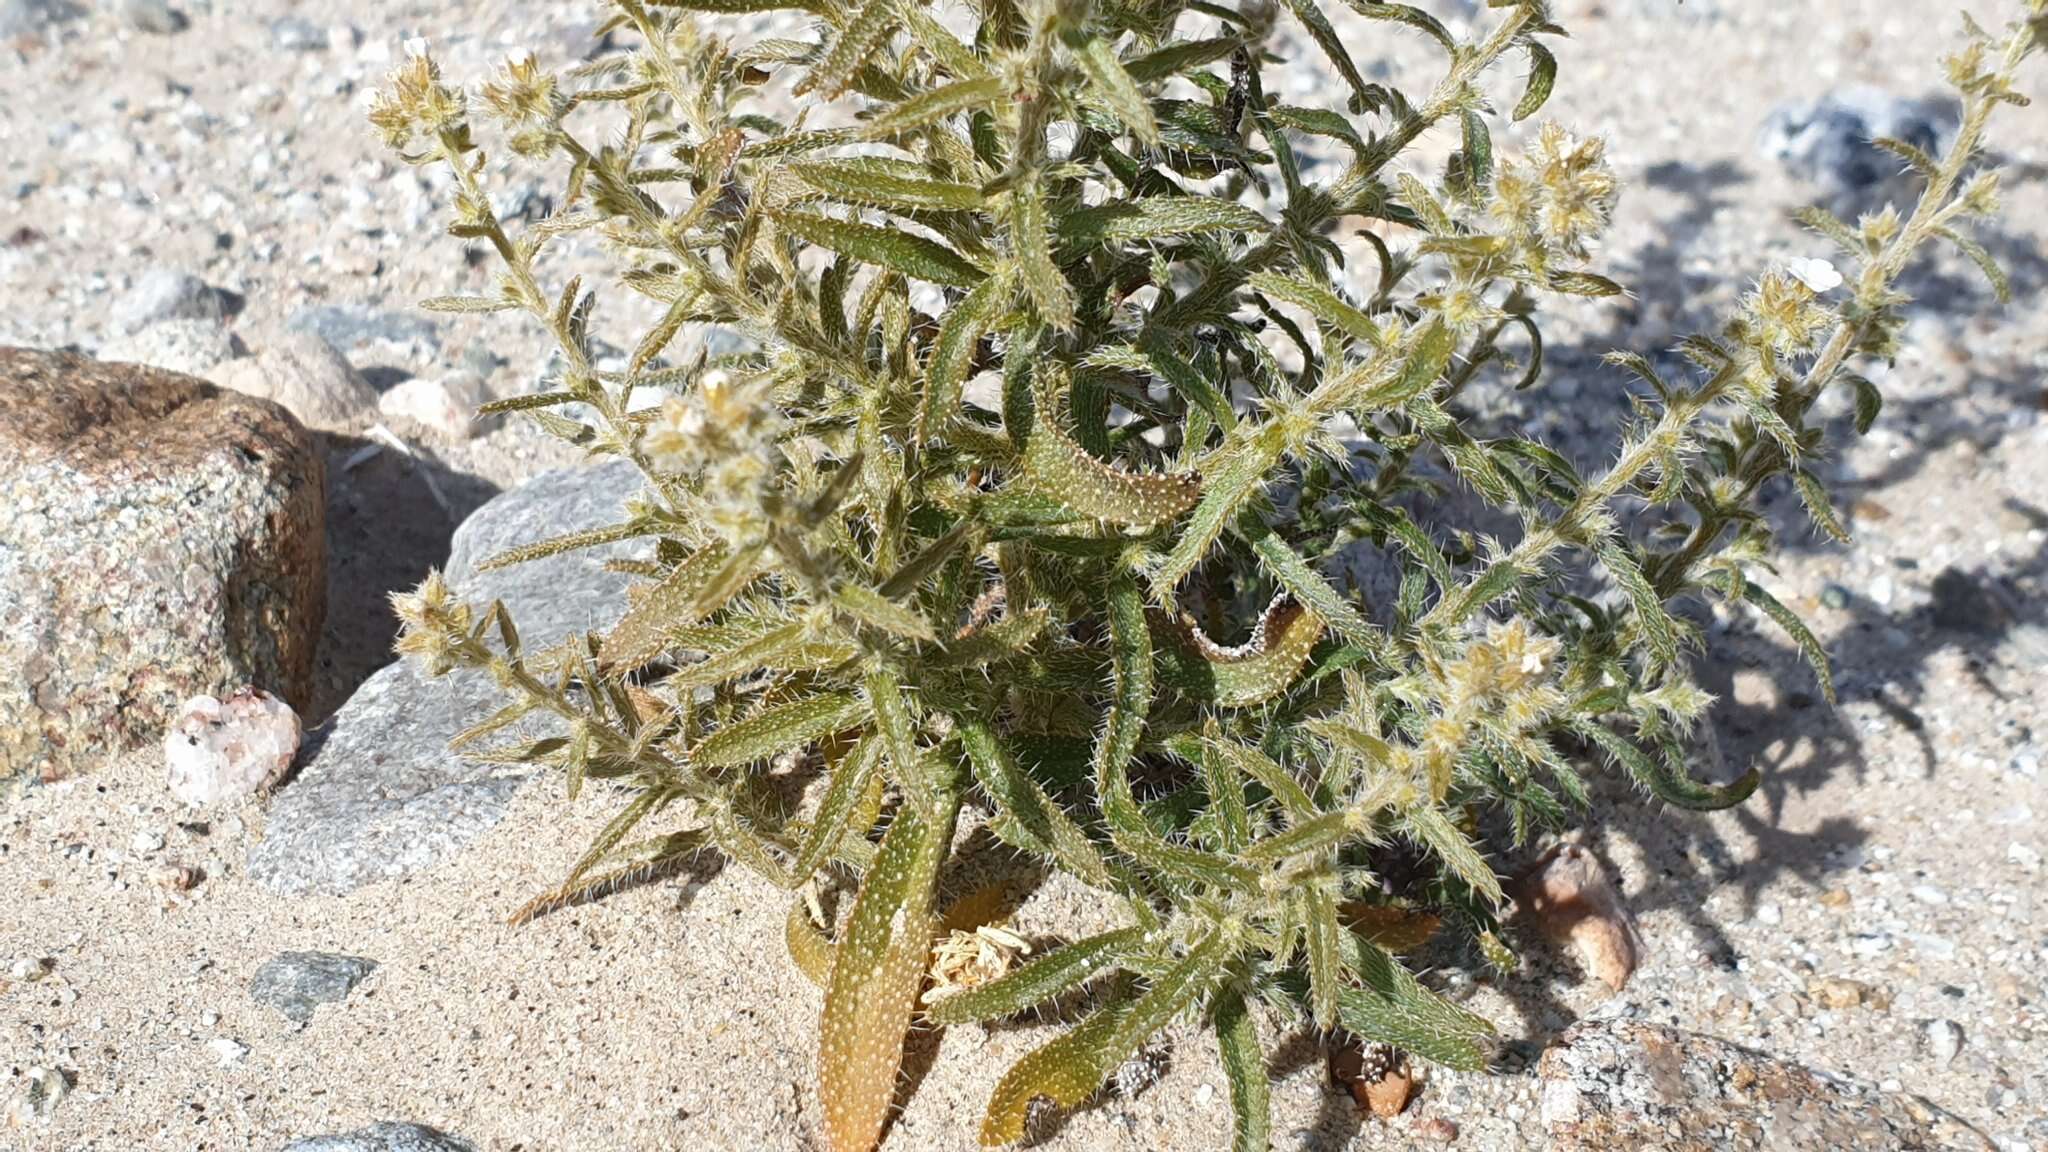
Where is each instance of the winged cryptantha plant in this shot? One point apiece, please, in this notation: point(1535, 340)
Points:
point(1066, 387)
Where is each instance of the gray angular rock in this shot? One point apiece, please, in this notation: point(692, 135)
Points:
point(152, 16)
point(384, 1137)
point(165, 294)
point(1627, 1084)
point(296, 983)
point(350, 326)
point(28, 17)
point(303, 371)
point(379, 794)
point(1828, 142)
point(294, 33)
point(159, 539)
point(193, 346)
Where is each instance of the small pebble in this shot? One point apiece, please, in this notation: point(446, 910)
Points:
point(28, 971)
point(1438, 1129)
point(227, 1050)
point(1944, 1041)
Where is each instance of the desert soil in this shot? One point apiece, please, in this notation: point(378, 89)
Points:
point(1886, 878)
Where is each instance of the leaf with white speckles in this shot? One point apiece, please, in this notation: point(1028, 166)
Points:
point(877, 971)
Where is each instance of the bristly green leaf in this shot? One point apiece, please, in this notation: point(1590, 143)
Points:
point(1025, 816)
point(1435, 831)
point(1043, 282)
point(862, 33)
point(914, 256)
point(1818, 506)
point(884, 183)
point(1658, 632)
point(642, 633)
point(937, 104)
point(780, 728)
point(1320, 30)
point(877, 970)
point(1672, 787)
point(1986, 263)
point(952, 358)
point(1038, 982)
point(1391, 1007)
point(1809, 645)
point(1542, 78)
point(1059, 469)
point(1117, 89)
point(1069, 1070)
point(1157, 220)
point(1244, 1066)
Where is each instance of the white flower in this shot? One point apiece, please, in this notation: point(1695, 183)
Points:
point(1818, 275)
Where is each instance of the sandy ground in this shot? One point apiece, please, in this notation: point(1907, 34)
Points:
point(1897, 841)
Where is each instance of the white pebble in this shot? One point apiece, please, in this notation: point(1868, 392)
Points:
point(228, 1050)
point(224, 750)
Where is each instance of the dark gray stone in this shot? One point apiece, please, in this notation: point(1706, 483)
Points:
point(296, 983)
point(385, 1137)
point(1828, 142)
point(380, 795)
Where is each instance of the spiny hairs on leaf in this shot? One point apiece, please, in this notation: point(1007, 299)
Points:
point(1066, 393)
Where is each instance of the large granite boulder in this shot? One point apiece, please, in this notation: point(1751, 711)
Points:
point(159, 538)
point(379, 795)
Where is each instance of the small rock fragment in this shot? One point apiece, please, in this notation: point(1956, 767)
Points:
point(224, 750)
point(293, 33)
point(1574, 903)
point(42, 1090)
point(295, 983)
point(227, 1050)
point(1438, 1130)
point(447, 406)
point(152, 16)
point(176, 877)
point(1378, 1076)
point(28, 970)
point(1944, 1041)
point(1838, 993)
point(165, 294)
